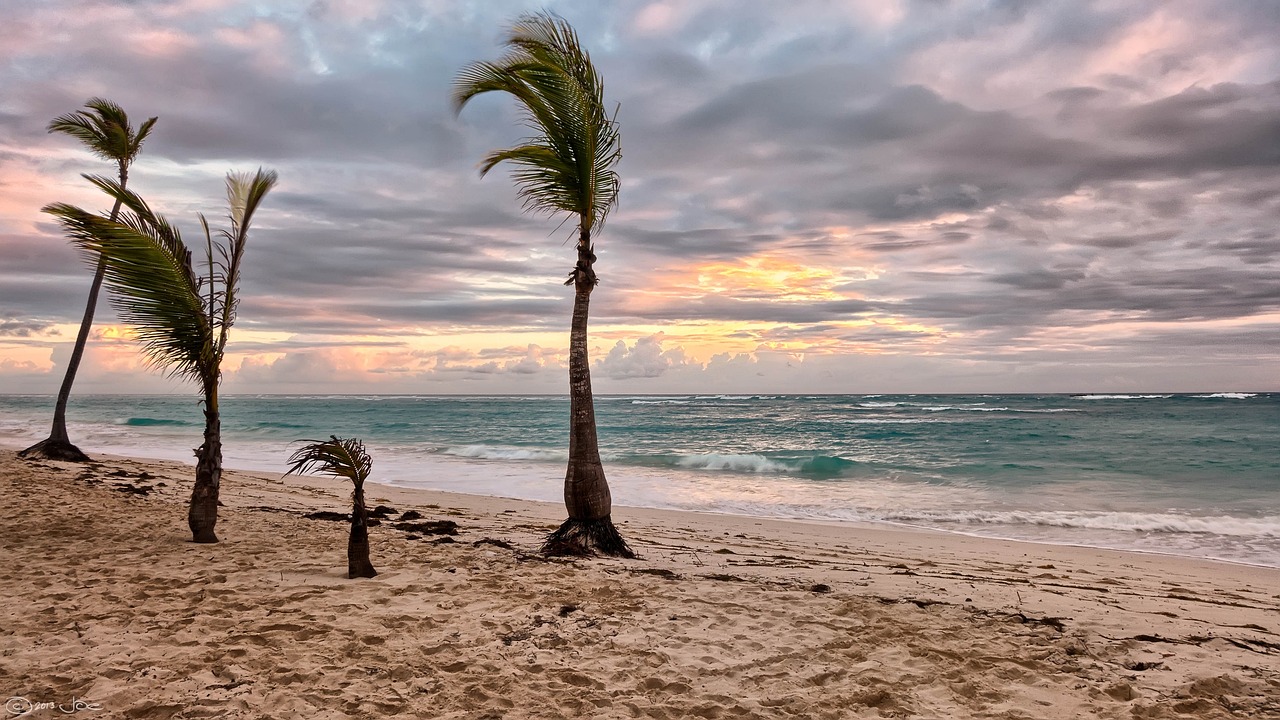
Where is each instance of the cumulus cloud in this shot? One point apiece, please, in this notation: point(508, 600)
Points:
point(645, 358)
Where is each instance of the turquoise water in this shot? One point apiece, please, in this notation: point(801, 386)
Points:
point(1194, 475)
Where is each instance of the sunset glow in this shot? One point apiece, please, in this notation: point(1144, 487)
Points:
point(858, 197)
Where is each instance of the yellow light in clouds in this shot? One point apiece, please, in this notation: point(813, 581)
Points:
point(115, 332)
point(766, 275)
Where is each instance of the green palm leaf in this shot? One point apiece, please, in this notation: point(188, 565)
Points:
point(568, 165)
point(337, 457)
point(153, 286)
point(105, 130)
point(245, 193)
point(181, 319)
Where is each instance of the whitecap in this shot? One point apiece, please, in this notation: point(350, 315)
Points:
point(1121, 397)
point(503, 452)
point(736, 463)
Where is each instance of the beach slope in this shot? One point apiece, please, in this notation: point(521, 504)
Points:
point(105, 601)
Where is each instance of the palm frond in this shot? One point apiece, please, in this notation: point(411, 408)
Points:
point(181, 323)
point(139, 216)
point(81, 126)
point(141, 136)
point(544, 183)
point(552, 77)
point(148, 270)
point(337, 457)
point(105, 129)
point(245, 193)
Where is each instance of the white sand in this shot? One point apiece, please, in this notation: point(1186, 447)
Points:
point(104, 598)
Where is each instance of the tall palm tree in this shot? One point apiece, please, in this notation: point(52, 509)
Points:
point(104, 128)
point(568, 166)
point(343, 457)
point(181, 319)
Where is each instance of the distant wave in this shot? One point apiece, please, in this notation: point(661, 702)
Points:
point(1121, 397)
point(1228, 395)
point(977, 407)
point(1118, 521)
point(738, 463)
point(814, 466)
point(148, 422)
point(661, 402)
point(888, 421)
point(685, 399)
point(504, 452)
point(273, 425)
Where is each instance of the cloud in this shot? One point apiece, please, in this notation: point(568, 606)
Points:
point(972, 176)
point(26, 328)
point(645, 358)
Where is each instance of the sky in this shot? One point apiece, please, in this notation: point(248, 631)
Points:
point(859, 196)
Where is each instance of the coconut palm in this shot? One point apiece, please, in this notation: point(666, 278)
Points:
point(567, 166)
point(182, 319)
point(104, 128)
point(343, 457)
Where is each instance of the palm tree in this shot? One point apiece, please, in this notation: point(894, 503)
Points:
point(104, 128)
point(181, 319)
point(568, 166)
point(343, 457)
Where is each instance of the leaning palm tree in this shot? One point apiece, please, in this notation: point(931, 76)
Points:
point(182, 319)
point(343, 457)
point(568, 166)
point(104, 128)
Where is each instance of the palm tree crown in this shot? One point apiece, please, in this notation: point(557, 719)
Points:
point(106, 130)
point(568, 165)
point(181, 319)
point(339, 457)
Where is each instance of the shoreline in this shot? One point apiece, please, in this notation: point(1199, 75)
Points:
point(998, 471)
point(7, 445)
point(722, 616)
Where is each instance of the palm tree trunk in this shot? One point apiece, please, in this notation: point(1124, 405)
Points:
point(203, 512)
point(58, 445)
point(589, 529)
point(358, 564)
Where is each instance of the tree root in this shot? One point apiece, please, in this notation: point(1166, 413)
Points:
point(587, 538)
point(54, 449)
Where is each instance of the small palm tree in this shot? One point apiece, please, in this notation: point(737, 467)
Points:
point(343, 457)
point(182, 319)
point(568, 166)
point(104, 128)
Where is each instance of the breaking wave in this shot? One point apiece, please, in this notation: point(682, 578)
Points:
point(1268, 526)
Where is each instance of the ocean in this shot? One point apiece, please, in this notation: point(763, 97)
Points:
point(1185, 474)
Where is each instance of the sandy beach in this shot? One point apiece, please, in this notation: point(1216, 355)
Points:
point(105, 602)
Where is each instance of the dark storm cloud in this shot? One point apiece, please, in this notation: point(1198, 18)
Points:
point(718, 243)
point(1256, 247)
point(1043, 297)
point(25, 328)
point(1039, 279)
